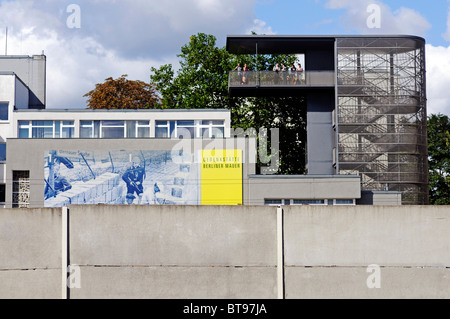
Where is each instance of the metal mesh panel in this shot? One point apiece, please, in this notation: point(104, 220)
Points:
point(382, 115)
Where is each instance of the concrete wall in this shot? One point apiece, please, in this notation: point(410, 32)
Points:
point(192, 252)
point(30, 253)
point(176, 252)
point(328, 251)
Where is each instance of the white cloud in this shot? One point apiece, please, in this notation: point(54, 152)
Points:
point(401, 21)
point(438, 79)
point(74, 66)
point(260, 27)
point(115, 38)
point(446, 35)
point(404, 21)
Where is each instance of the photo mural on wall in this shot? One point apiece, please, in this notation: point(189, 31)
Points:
point(142, 178)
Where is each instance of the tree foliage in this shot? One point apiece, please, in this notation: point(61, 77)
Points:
point(202, 82)
point(439, 159)
point(122, 94)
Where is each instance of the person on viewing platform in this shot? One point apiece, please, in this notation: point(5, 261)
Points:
point(292, 74)
point(244, 76)
point(276, 69)
point(238, 68)
point(299, 74)
point(284, 74)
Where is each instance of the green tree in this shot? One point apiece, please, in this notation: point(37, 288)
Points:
point(439, 159)
point(122, 94)
point(202, 82)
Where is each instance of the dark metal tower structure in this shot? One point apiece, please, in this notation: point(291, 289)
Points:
point(366, 105)
point(382, 119)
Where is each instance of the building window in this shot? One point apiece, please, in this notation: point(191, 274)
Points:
point(24, 129)
point(186, 129)
point(2, 152)
point(114, 129)
point(164, 129)
point(67, 129)
point(345, 202)
point(2, 193)
point(89, 129)
point(273, 202)
point(138, 129)
point(4, 111)
point(46, 129)
point(309, 202)
point(212, 129)
point(42, 129)
point(21, 189)
point(190, 129)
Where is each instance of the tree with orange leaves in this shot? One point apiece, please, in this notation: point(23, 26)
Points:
point(122, 93)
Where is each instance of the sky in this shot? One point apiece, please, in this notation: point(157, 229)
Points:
point(88, 41)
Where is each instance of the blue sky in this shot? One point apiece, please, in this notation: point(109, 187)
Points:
point(129, 37)
point(316, 17)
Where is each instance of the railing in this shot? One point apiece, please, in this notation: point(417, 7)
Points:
point(282, 79)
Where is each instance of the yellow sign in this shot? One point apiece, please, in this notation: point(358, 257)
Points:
point(221, 177)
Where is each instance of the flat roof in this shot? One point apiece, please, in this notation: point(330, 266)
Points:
point(22, 56)
point(303, 176)
point(290, 44)
point(116, 110)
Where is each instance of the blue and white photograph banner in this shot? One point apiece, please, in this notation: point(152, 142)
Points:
point(119, 178)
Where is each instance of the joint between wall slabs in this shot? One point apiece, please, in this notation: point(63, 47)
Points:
point(65, 261)
point(280, 253)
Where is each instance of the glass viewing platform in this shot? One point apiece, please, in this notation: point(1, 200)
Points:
point(288, 79)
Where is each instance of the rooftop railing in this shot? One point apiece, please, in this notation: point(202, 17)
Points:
point(282, 79)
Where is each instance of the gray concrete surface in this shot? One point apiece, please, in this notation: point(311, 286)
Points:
point(190, 252)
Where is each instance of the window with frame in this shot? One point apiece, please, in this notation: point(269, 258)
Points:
point(114, 129)
point(345, 202)
point(46, 129)
point(89, 129)
point(309, 202)
point(164, 129)
point(4, 111)
point(186, 129)
point(2, 193)
point(273, 202)
point(138, 129)
point(2, 152)
point(190, 129)
point(212, 129)
point(21, 189)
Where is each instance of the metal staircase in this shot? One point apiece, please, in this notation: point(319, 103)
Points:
point(379, 129)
